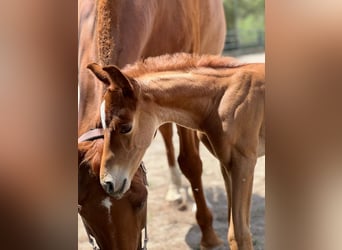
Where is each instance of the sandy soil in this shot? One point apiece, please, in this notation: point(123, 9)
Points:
point(169, 228)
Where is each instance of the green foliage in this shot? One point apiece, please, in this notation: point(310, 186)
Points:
point(244, 14)
point(229, 13)
point(245, 22)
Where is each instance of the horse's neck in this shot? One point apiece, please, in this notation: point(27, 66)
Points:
point(95, 28)
point(185, 99)
point(108, 31)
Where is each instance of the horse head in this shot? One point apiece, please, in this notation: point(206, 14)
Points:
point(127, 131)
point(115, 224)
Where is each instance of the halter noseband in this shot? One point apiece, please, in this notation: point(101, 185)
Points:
point(98, 133)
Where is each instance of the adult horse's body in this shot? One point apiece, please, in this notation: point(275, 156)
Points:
point(123, 32)
point(219, 97)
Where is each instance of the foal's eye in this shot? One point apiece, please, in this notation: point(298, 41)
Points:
point(125, 128)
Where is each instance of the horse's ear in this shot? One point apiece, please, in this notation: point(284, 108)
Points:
point(118, 78)
point(99, 73)
point(112, 77)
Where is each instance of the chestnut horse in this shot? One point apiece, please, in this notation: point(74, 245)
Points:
point(120, 32)
point(217, 96)
point(102, 216)
point(129, 30)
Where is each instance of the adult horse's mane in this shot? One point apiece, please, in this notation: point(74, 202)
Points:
point(105, 40)
point(179, 61)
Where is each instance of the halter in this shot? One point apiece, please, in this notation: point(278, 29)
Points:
point(93, 134)
point(142, 166)
point(98, 133)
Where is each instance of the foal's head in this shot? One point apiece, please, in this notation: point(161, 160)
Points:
point(128, 131)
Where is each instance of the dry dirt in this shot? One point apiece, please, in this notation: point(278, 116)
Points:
point(169, 228)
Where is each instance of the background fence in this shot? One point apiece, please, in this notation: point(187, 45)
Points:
point(244, 39)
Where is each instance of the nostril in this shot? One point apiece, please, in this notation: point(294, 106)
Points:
point(109, 187)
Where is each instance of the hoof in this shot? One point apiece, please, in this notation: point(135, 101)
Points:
point(219, 247)
point(182, 207)
point(173, 194)
point(212, 242)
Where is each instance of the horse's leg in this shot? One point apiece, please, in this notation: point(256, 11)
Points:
point(238, 175)
point(173, 193)
point(242, 171)
point(191, 166)
point(228, 186)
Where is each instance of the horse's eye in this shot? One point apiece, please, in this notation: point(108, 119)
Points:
point(141, 205)
point(125, 128)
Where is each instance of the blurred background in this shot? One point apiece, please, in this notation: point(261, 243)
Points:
point(245, 26)
point(38, 107)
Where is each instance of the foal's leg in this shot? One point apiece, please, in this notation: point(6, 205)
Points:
point(228, 185)
point(173, 193)
point(242, 170)
point(191, 166)
point(225, 170)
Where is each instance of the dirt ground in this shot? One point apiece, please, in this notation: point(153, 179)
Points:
point(169, 228)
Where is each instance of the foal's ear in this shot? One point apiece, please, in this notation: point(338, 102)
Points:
point(99, 73)
point(112, 77)
point(118, 79)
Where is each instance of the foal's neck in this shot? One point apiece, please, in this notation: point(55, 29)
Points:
point(184, 98)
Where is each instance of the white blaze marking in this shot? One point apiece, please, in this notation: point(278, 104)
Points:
point(107, 204)
point(103, 114)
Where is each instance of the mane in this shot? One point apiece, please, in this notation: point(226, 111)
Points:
point(90, 155)
point(179, 61)
point(105, 15)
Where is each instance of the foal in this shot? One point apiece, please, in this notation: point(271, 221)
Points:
point(220, 98)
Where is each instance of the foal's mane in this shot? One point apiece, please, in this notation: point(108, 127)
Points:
point(179, 61)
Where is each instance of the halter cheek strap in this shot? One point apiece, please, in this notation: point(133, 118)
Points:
point(93, 134)
point(143, 168)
